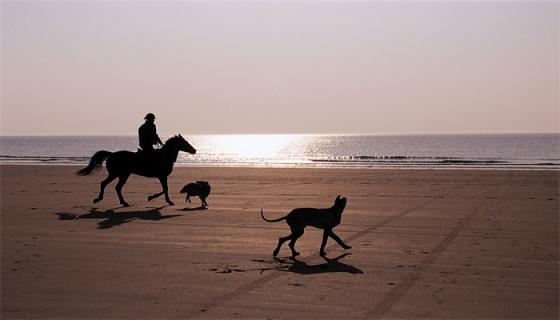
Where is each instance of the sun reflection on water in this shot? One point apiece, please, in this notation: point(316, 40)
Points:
point(253, 146)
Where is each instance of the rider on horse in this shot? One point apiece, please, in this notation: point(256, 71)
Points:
point(147, 134)
point(147, 163)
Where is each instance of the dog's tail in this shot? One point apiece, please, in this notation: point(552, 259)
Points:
point(272, 220)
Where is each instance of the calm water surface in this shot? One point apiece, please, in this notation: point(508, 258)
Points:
point(537, 151)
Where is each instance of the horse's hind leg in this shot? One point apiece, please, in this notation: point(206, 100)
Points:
point(120, 184)
point(104, 183)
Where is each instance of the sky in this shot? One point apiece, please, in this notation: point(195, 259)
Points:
point(369, 67)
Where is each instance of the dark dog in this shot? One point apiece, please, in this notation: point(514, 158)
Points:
point(200, 189)
point(325, 219)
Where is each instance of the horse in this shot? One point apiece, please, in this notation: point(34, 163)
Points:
point(121, 164)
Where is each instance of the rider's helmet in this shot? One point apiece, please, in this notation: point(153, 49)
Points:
point(150, 116)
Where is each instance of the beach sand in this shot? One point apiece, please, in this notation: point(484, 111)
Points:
point(426, 244)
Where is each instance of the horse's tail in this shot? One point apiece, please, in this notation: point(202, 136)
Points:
point(272, 220)
point(95, 163)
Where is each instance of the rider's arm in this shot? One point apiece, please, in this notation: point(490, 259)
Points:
point(158, 140)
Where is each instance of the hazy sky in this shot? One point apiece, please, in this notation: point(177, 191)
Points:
point(97, 67)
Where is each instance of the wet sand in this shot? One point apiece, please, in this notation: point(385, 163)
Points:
point(426, 244)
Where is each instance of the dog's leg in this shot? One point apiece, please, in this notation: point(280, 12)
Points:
point(324, 242)
point(338, 240)
point(201, 202)
point(296, 233)
point(280, 243)
point(189, 199)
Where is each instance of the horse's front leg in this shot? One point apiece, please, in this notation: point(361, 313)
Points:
point(163, 181)
point(152, 197)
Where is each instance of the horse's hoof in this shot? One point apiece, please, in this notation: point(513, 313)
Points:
point(347, 247)
point(295, 254)
point(275, 253)
point(170, 203)
point(125, 205)
point(150, 198)
point(322, 254)
point(96, 200)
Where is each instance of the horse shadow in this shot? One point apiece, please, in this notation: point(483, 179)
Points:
point(294, 265)
point(113, 219)
point(193, 208)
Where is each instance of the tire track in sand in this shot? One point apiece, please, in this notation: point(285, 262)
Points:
point(381, 309)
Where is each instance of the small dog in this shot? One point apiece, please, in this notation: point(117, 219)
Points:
point(200, 189)
point(300, 218)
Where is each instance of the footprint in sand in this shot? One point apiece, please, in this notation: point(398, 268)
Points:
point(296, 284)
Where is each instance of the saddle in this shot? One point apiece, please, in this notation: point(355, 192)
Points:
point(148, 157)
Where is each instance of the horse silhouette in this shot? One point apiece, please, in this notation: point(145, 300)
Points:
point(154, 164)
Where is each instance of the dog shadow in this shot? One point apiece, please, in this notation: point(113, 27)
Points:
point(294, 265)
point(112, 219)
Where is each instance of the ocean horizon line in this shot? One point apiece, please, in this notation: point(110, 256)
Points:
point(289, 134)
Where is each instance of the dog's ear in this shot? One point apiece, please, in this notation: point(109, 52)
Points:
point(342, 203)
point(338, 198)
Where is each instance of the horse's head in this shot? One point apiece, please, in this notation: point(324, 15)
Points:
point(184, 145)
point(175, 144)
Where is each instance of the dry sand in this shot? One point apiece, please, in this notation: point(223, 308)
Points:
point(426, 244)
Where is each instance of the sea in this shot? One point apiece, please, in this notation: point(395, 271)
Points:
point(480, 151)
